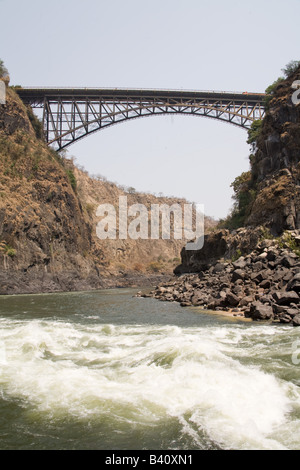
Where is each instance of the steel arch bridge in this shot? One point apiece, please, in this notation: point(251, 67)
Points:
point(71, 114)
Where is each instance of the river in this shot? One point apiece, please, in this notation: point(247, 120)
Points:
point(106, 370)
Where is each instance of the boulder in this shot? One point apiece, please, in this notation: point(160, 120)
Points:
point(238, 290)
point(260, 276)
point(259, 311)
point(285, 318)
point(232, 299)
point(272, 255)
point(266, 284)
point(293, 312)
point(280, 274)
point(286, 298)
point(247, 300)
point(241, 263)
point(219, 267)
point(238, 274)
point(288, 261)
point(271, 265)
point(278, 309)
point(288, 277)
point(296, 320)
point(257, 266)
point(294, 283)
point(266, 299)
point(262, 257)
point(222, 294)
point(215, 304)
point(282, 310)
point(197, 298)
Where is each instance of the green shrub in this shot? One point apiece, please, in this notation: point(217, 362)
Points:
point(254, 131)
point(287, 241)
point(244, 196)
point(36, 123)
point(131, 190)
point(236, 256)
point(266, 234)
point(11, 252)
point(271, 90)
point(7, 249)
point(72, 179)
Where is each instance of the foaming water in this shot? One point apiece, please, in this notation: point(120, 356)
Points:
point(104, 370)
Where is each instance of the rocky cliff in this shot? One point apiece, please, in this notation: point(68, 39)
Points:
point(275, 163)
point(43, 233)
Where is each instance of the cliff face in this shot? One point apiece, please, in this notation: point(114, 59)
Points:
point(48, 219)
point(275, 163)
point(43, 233)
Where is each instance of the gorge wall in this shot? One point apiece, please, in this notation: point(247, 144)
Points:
point(275, 163)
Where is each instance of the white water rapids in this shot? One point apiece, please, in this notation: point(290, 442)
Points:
point(221, 385)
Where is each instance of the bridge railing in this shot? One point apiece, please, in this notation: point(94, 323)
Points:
point(109, 89)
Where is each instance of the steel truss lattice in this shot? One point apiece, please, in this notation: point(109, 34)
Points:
point(71, 114)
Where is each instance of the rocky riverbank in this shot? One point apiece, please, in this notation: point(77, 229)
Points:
point(262, 285)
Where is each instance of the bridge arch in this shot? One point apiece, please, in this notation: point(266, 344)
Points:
point(72, 114)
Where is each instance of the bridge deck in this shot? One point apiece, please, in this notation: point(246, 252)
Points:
point(37, 95)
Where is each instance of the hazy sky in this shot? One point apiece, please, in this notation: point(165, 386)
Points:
point(177, 44)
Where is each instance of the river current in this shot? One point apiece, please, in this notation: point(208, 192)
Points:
point(106, 370)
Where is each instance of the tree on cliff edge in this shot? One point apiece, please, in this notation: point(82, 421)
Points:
point(3, 69)
point(291, 67)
